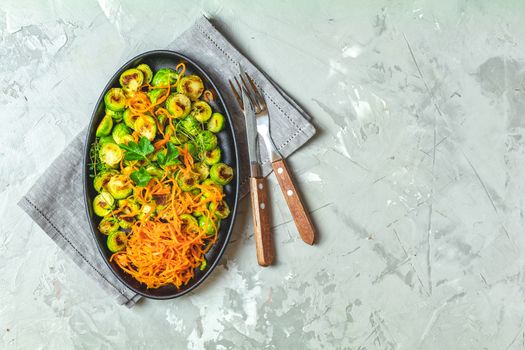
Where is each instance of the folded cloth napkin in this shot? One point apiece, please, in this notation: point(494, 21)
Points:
point(64, 219)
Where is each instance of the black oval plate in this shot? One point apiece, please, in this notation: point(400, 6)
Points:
point(159, 59)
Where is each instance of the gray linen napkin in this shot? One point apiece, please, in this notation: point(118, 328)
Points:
point(63, 218)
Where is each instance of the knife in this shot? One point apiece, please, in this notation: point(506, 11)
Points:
point(258, 189)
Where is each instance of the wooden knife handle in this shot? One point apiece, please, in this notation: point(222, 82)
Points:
point(261, 221)
point(300, 215)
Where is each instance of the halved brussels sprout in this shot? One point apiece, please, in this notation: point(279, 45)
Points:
point(221, 209)
point(189, 223)
point(100, 181)
point(117, 116)
point(146, 126)
point(191, 85)
point(146, 71)
point(208, 225)
point(202, 169)
point(154, 95)
point(213, 156)
point(103, 204)
point(111, 154)
point(146, 211)
point(127, 207)
point(190, 125)
point(104, 128)
point(187, 180)
point(154, 171)
point(106, 139)
point(108, 225)
point(221, 173)
point(117, 241)
point(177, 138)
point(131, 79)
point(129, 118)
point(115, 99)
point(210, 182)
point(164, 76)
point(192, 149)
point(119, 186)
point(216, 122)
point(126, 222)
point(206, 140)
point(201, 111)
point(119, 133)
point(179, 105)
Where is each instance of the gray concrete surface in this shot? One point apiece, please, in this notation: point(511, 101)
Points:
point(415, 179)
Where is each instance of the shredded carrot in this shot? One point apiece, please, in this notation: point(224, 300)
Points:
point(163, 247)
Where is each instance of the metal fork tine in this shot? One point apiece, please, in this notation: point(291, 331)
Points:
point(262, 102)
point(236, 94)
point(252, 95)
point(249, 94)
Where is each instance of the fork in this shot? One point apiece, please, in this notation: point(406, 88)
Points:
point(293, 198)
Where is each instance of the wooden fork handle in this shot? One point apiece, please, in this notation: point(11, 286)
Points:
point(300, 215)
point(261, 221)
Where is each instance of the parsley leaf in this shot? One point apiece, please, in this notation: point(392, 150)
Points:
point(138, 151)
point(140, 177)
point(171, 156)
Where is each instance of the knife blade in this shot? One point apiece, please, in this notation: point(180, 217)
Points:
point(251, 135)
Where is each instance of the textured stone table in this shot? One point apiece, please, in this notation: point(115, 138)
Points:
point(414, 180)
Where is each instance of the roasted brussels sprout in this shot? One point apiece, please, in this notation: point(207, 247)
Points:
point(192, 149)
point(146, 71)
point(146, 126)
point(206, 140)
point(216, 122)
point(203, 170)
point(210, 182)
point(177, 138)
point(104, 128)
point(188, 223)
point(221, 209)
point(127, 207)
point(103, 204)
point(208, 225)
point(110, 153)
point(213, 156)
point(129, 118)
point(131, 79)
point(108, 225)
point(100, 181)
point(164, 76)
point(125, 222)
point(179, 105)
point(191, 85)
point(201, 111)
point(154, 171)
point(154, 95)
point(146, 211)
point(117, 116)
point(187, 180)
point(119, 186)
point(120, 131)
point(115, 99)
point(221, 173)
point(117, 241)
point(106, 139)
point(190, 125)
